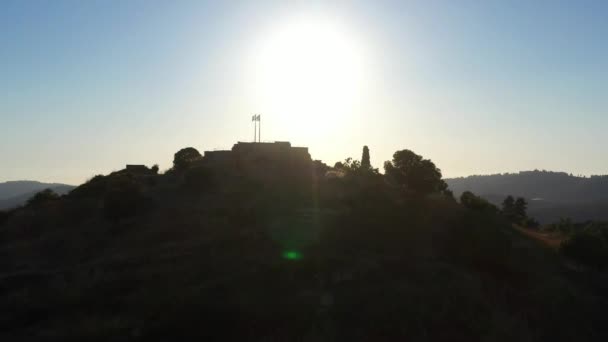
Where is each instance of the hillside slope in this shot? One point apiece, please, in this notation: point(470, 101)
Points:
point(216, 257)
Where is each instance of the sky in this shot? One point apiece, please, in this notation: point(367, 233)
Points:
point(479, 87)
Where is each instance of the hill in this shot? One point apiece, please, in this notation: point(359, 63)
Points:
point(551, 195)
point(308, 253)
point(15, 193)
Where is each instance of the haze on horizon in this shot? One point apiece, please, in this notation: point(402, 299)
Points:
point(86, 87)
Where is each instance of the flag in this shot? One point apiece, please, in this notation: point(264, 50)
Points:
point(255, 117)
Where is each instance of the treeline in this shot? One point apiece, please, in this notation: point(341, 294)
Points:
point(514, 210)
point(556, 187)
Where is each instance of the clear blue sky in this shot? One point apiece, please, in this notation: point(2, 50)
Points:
point(477, 86)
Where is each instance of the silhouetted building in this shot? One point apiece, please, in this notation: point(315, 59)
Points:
point(137, 169)
point(263, 161)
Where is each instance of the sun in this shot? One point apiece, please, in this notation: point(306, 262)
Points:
point(309, 67)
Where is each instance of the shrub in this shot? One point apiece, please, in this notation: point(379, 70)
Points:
point(586, 248)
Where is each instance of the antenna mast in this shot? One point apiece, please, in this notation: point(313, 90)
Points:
point(255, 127)
point(257, 131)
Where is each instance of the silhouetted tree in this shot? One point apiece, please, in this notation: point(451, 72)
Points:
point(42, 197)
point(185, 157)
point(449, 194)
point(473, 202)
point(415, 173)
point(515, 210)
point(154, 169)
point(365, 163)
point(349, 165)
point(508, 204)
point(508, 208)
point(520, 209)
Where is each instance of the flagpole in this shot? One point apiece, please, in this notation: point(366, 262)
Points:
point(260, 128)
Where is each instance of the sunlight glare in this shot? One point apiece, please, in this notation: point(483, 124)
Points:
point(309, 67)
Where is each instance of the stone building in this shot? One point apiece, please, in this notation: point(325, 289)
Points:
point(263, 161)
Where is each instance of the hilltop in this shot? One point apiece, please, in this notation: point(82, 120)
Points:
point(218, 249)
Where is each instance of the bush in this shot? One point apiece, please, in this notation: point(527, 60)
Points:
point(586, 248)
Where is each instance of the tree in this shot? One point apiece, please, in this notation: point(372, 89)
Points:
point(185, 157)
point(515, 209)
point(508, 208)
point(365, 163)
point(508, 204)
point(415, 173)
point(42, 197)
point(520, 209)
point(471, 201)
point(349, 165)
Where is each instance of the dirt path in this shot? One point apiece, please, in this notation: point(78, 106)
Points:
point(552, 240)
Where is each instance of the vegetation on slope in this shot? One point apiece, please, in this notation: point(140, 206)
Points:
point(196, 253)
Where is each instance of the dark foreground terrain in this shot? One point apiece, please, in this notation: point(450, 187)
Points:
point(201, 255)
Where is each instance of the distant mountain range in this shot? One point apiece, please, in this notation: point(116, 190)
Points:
point(551, 195)
point(16, 193)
